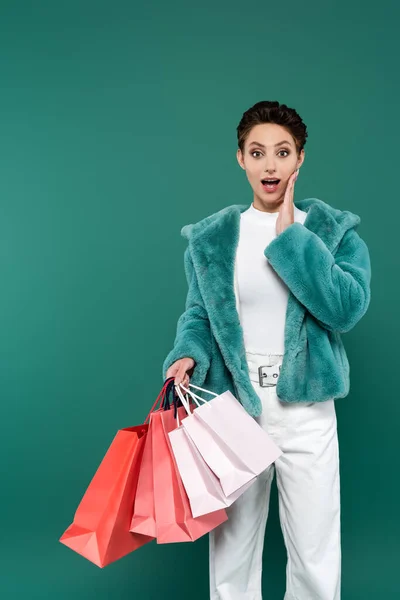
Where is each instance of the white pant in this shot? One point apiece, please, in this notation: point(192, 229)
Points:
point(308, 485)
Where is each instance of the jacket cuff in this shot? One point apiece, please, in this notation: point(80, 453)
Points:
point(190, 349)
point(287, 237)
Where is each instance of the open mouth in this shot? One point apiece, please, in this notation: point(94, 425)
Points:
point(270, 181)
point(270, 185)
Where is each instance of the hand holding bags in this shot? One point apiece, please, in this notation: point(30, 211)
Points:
point(230, 441)
point(139, 474)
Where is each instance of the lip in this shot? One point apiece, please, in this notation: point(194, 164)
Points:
point(270, 191)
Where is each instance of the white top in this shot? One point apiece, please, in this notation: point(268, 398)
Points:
point(262, 294)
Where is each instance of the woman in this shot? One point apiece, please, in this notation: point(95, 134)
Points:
point(272, 286)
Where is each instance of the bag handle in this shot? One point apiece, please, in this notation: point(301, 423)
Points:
point(165, 403)
point(185, 404)
point(202, 389)
point(195, 396)
point(162, 393)
point(175, 398)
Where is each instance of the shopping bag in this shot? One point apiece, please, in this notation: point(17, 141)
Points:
point(202, 486)
point(232, 443)
point(143, 518)
point(100, 529)
point(174, 519)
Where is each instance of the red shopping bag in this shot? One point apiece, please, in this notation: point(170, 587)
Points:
point(173, 516)
point(100, 529)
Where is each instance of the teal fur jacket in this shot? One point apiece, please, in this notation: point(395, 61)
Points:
point(326, 267)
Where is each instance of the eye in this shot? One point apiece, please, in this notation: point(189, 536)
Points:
point(258, 152)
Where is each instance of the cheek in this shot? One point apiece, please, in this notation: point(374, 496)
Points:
point(253, 175)
point(289, 171)
point(250, 176)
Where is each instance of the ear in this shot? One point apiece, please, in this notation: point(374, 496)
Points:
point(301, 159)
point(239, 157)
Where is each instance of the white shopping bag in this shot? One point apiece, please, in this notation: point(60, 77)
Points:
point(203, 488)
point(232, 443)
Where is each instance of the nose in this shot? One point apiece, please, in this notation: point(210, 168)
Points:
point(270, 167)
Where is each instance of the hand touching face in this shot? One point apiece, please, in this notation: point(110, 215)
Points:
point(286, 210)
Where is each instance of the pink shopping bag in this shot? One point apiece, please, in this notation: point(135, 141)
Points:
point(174, 519)
point(229, 439)
point(143, 519)
point(203, 488)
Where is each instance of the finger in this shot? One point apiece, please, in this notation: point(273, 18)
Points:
point(292, 179)
point(180, 376)
point(173, 369)
point(184, 380)
point(290, 188)
point(288, 192)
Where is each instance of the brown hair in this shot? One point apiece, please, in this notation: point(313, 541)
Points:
point(270, 111)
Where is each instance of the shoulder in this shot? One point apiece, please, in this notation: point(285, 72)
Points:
point(191, 229)
point(321, 209)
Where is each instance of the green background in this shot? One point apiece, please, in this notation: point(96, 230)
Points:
point(117, 127)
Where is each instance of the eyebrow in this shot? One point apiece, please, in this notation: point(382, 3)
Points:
point(262, 145)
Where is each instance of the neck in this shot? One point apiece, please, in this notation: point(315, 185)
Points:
point(262, 207)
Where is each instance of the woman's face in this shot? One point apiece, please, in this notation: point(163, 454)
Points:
point(269, 152)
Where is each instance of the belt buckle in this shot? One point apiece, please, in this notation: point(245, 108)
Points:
point(266, 371)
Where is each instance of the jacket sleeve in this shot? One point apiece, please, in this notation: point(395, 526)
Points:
point(193, 332)
point(335, 289)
